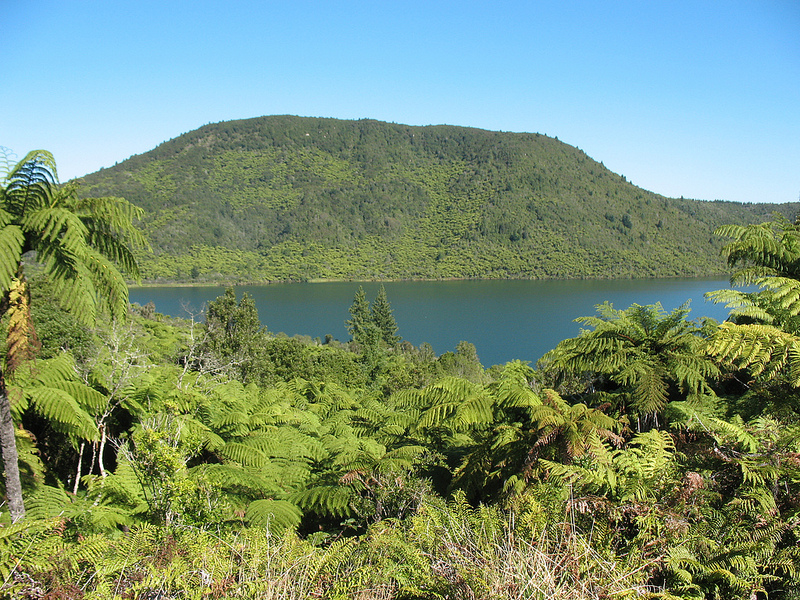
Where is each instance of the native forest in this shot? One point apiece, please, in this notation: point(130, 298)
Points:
point(653, 456)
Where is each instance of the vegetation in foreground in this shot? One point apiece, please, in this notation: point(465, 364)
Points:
point(650, 457)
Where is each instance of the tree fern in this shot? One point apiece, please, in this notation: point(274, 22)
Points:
point(640, 357)
point(276, 515)
point(39, 215)
point(766, 249)
point(51, 388)
point(766, 351)
point(333, 500)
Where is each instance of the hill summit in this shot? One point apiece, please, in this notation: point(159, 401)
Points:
point(295, 198)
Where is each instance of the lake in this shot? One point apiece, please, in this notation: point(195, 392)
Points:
point(505, 319)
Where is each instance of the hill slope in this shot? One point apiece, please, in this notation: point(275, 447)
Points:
point(294, 198)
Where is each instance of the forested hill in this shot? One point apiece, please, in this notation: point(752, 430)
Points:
point(295, 198)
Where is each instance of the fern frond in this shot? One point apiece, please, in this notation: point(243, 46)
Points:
point(55, 227)
point(276, 515)
point(11, 242)
point(765, 350)
point(63, 411)
point(650, 392)
point(333, 500)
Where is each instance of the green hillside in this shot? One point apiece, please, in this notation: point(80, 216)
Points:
point(294, 198)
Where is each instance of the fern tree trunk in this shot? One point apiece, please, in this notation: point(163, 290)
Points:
point(10, 457)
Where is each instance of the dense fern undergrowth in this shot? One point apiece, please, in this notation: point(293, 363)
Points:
point(653, 456)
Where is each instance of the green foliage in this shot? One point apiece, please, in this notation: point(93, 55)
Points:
point(77, 240)
point(56, 329)
point(641, 357)
point(290, 198)
point(383, 318)
point(50, 388)
point(767, 249)
point(762, 336)
point(319, 472)
point(360, 317)
point(234, 338)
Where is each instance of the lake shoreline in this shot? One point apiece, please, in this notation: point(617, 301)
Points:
point(223, 283)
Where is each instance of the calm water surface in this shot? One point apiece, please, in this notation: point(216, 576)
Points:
point(504, 319)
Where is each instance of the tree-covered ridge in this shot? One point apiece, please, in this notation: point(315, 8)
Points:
point(291, 198)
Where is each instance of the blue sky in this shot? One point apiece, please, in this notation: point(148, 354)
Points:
point(694, 99)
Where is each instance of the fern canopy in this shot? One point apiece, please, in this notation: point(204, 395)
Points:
point(642, 357)
point(80, 244)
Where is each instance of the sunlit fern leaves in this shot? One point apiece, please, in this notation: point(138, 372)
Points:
point(240, 484)
point(47, 502)
point(742, 305)
point(452, 403)
point(766, 351)
point(639, 472)
point(33, 545)
point(509, 457)
point(243, 454)
point(649, 390)
point(515, 386)
point(16, 542)
point(642, 357)
point(776, 304)
point(70, 240)
point(51, 388)
point(12, 239)
point(646, 465)
point(120, 498)
point(104, 215)
point(723, 559)
point(330, 500)
point(276, 515)
point(765, 249)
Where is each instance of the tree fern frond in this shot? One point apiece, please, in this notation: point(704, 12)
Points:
point(63, 411)
point(256, 482)
point(74, 289)
point(31, 182)
point(90, 400)
point(784, 290)
point(11, 241)
point(56, 227)
point(108, 282)
point(47, 502)
point(736, 432)
point(764, 349)
point(333, 500)
point(243, 454)
point(276, 515)
point(650, 393)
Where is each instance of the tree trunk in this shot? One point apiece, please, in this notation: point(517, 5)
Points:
point(100, 464)
point(78, 471)
point(10, 458)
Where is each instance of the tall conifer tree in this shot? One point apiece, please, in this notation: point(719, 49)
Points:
point(360, 317)
point(383, 318)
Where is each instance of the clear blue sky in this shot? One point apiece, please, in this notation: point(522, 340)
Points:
point(694, 99)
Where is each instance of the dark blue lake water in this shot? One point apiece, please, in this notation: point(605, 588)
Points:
point(505, 320)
